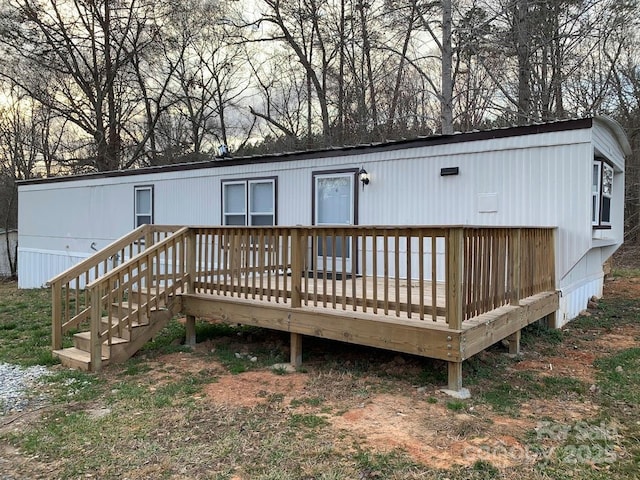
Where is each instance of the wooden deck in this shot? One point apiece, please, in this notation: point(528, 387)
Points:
point(402, 334)
point(401, 298)
point(440, 292)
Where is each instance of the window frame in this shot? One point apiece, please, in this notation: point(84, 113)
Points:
point(136, 214)
point(598, 195)
point(248, 213)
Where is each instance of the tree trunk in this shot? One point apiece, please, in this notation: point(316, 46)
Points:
point(112, 140)
point(446, 102)
point(12, 258)
point(523, 52)
point(367, 54)
point(399, 76)
point(341, 75)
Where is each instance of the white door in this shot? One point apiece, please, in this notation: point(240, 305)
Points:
point(334, 206)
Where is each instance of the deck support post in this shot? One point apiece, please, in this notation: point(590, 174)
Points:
point(296, 350)
point(56, 314)
point(551, 320)
point(96, 318)
point(148, 237)
point(455, 376)
point(190, 268)
point(514, 343)
point(453, 277)
point(190, 326)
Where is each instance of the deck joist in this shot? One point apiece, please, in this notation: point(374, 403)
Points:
point(419, 337)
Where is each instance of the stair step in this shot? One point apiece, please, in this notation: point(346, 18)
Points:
point(125, 309)
point(75, 358)
point(143, 294)
point(82, 341)
point(125, 332)
point(145, 290)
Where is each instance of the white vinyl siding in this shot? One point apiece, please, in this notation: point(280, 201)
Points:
point(143, 206)
point(249, 202)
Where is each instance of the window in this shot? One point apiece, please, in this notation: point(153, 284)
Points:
point(249, 202)
point(143, 205)
point(601, 191)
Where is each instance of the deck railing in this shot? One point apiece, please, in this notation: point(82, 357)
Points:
point(130, 293)
point(436, 273)
point(504, 265)
point(446, 274)
point(70, 305)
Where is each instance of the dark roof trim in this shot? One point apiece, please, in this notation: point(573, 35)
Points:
point(564, 125)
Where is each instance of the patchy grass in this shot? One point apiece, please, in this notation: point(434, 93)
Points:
point(25, 326)
point(169, 340)
point(626, 272)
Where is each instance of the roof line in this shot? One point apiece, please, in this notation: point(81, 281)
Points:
point(617, 131)
point(558, 126)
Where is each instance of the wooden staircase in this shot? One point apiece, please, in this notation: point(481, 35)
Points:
point(127, 338)
point(121, 297)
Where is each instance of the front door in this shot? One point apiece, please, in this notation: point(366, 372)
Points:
point(334, 206)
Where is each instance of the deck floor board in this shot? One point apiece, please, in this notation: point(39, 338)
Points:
point(339, 294)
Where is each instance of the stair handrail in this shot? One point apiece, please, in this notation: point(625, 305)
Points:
point(99, 301)
point(80, 273)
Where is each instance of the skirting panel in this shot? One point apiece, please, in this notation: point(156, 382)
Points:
point(572, 303)
point(37, 267)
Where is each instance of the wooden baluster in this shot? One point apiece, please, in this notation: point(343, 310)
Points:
point(324, 267)
point(130, 296)
point(67, 311)
point(305, 266)
point(515, 266)
point(408, 262)
point(374, 267)
point(286, 260)
point(219, 268)
point(385, 248)
point(397, 270)
point(296, 268)
point(333, 266)
point(363, 273)
point(315, 238)
point(434, 277)
point(345, 246)
point(246, 255)
point(95, 346)
point(421, 271)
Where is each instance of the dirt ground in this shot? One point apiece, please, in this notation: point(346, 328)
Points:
point(416, 421)
point(427, 430)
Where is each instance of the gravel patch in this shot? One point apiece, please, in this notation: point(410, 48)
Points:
point(15, 386)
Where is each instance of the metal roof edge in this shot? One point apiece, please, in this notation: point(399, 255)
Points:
point(617, 131)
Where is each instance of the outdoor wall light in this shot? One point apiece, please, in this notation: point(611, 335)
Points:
point(364, 177)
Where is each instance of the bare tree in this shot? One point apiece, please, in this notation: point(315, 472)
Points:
point(19, 151)
point(88, 49)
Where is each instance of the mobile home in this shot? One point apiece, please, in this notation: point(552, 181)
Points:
point(564, 181)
